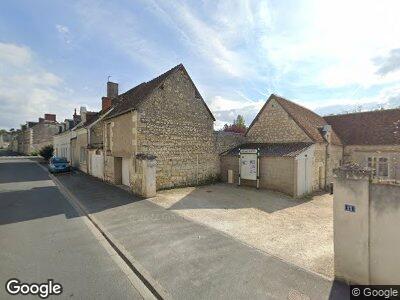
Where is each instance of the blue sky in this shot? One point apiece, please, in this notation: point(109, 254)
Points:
point(330, 56)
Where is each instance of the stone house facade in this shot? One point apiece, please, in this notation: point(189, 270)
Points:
point(371, 139)
point(43, 132)
point(283, 121)
point(164, 118)
point(282, 124)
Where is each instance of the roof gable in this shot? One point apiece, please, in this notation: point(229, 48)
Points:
point(380, 127)
point(310, 122)
point(132, 98)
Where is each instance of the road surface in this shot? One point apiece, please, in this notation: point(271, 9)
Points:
point(43, 237)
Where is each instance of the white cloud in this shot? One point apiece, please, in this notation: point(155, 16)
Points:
point(14, 55)
point(62, 28)
point(64, 33)
point(333, 43)
point(27, 90)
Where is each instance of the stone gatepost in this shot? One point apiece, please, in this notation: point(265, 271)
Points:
point(147, 166)
point(351, 224)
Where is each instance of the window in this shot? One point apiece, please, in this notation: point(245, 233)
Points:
point(383, 168)
point(82, 157)
point(379, 165)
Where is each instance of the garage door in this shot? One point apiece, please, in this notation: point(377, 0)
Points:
point(125, 171)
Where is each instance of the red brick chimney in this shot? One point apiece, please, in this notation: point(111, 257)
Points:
point(106, 103)
point(50, 117)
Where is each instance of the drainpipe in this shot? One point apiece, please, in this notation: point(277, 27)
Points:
point(326, 165)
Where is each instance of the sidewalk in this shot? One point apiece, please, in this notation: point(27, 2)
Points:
point(183, 259)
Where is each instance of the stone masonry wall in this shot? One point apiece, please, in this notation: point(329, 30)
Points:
point(335, 157)
point(175, 126)
point(42, 135)
point(276, 173)
point(319, 167)
point(274, 125)
point(96, 135)
point(359, 154)
point(227, 140)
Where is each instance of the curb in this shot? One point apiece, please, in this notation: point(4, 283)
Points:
point(155, 289)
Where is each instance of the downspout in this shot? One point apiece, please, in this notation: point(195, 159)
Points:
point(326, 164)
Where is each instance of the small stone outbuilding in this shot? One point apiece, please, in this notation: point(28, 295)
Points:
point(286, 167)
point(280, 126)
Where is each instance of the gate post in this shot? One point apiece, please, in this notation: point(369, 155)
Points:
point(351, 224)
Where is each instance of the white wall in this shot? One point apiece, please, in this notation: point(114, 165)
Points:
point(62, 145)
point(96, 164)
point(367, 241)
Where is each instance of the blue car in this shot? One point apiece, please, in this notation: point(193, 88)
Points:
point(58, 165)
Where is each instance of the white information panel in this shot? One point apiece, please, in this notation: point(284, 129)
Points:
point(248, 164)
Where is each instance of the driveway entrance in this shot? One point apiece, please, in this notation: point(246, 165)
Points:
point(297, 231)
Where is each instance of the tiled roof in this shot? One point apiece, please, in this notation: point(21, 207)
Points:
point(274, 149)
point(310, 122)
point(132, 98)
point(91, 116)
point(381, 127)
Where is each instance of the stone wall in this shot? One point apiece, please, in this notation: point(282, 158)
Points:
point(96, 135)
point(274, 125)
point(319, 167)
point(42, 135)
point(359, 154)
point(228, 140)
point(175, 126)
point(334, 160)
point(276, 173)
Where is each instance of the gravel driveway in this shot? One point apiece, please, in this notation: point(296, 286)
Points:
point(297, 231)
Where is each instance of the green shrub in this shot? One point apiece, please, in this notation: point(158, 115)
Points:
point(46, 152)
point(34, 153)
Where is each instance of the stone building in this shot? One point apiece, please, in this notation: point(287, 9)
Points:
point(25, 138)
point(5, 140)
point(298, 148)
point(43, 132)
point(371, 139)
point(165, 118)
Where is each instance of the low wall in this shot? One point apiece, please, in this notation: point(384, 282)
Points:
point(366, 220)
point(276, 173)
point(384, 233)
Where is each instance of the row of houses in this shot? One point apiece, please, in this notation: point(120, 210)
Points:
point(33, 136)
point(166, 120)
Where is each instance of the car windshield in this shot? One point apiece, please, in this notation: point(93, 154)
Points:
point(57, 160)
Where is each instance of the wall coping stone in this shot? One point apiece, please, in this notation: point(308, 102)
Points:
point(353, 171)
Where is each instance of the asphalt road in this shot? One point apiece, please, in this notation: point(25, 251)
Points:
point(43, 237)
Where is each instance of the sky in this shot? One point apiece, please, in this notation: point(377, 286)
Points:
point(329, 56)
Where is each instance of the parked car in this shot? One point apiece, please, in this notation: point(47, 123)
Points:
point(58, 165)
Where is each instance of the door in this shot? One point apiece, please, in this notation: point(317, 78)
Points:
point(125, 171)
point(301, 176)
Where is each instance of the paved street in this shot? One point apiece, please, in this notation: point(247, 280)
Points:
point(42, 237)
